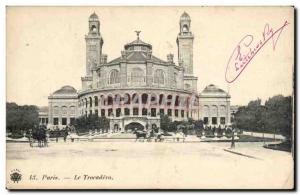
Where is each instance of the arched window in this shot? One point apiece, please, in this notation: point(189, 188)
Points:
point(117, 99)
point(185, 28)
point(114, 77)
point(206, 110)
point(96, 101)
point(64, 110)
point(153, 99)
point(159, 77)
point(144, 98)
point(55, 110)
point(169, 100)
point(214, 111)
point(161, 99)
point(109, 100)
point(135, 98)
point(177, 101)
point(223, 110)
point(91, 101)
point(93, 28)
point(126, 98)
point(137, 75)
point(72, 110)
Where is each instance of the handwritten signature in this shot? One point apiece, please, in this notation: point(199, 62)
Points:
point(246, 49)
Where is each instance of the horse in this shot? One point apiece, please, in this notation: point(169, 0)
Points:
point(140, 134)
point(159, 137)
point(40, 136)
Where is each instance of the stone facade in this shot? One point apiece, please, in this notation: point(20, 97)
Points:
point(63, 106)
point(135, 87)
point(214, 107)
point(43, 115)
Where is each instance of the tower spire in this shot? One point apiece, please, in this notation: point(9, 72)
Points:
point(185, 44)
point(94, 43)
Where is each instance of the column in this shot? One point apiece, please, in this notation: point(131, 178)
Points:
point(228, 117)
point(209, 120)
point(149, 73)
point(68, 120)
point(140, 104)
point(50, 114)
point(122, 107)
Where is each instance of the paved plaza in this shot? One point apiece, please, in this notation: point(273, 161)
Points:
point(150, 165)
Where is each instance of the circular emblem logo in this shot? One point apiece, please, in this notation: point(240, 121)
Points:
point(15, 176)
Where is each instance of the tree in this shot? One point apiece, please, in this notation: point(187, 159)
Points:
point(21, 117)
point(274, 116)
point(91, 122)
point(250, 117)
point(165, 122)
point(279, 114)
point(12, 117)
point(198, 124)
point(103, 123)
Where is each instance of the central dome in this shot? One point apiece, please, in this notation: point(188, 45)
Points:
point(138, 45)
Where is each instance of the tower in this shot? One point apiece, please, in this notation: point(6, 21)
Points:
point(185, 44)
point(94, 43)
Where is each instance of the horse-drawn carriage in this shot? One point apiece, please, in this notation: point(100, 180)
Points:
point(157, 136)
point(39, 136)
point(142, 135)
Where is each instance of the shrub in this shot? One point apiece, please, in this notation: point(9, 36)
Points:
point(228, 133)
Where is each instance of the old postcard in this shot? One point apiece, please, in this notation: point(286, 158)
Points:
point(150, 97)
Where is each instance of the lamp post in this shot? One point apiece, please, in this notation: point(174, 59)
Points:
point(232, 138)
point(264, 134)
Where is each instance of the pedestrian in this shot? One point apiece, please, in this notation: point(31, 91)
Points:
point(65, 136)
point(30, 137)
point(232, 139)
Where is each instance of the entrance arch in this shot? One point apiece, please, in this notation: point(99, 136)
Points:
point(133, 126)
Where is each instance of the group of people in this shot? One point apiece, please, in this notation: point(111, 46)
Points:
point(219, 131)
point(40, 135)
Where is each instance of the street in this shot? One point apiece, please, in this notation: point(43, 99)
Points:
point(149, 165)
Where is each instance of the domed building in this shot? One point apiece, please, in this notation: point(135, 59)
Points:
point(62, 106)
point(135, 88)
point(214, 106)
